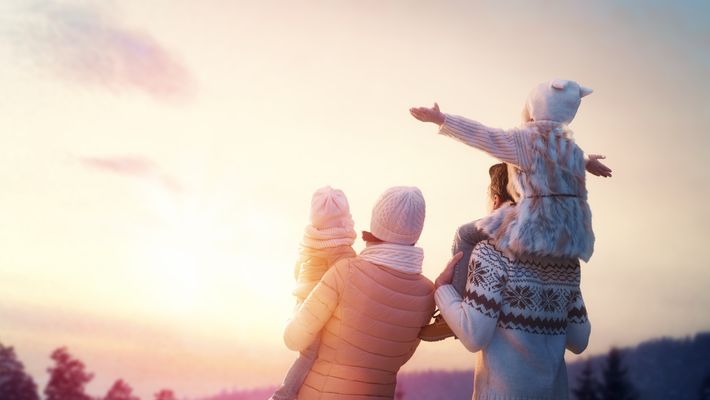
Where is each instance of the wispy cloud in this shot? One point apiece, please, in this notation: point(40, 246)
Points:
point(134, 166)
point(86, 44)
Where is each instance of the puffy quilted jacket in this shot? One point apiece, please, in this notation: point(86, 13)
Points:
point(369, 317)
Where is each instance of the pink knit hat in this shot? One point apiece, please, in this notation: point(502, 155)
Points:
point(330, 209)
point(398, 215)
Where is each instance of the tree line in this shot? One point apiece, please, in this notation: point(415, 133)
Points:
point(615, 383)
point(67, 380)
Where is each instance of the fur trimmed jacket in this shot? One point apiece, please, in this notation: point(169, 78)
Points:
point(547, 180)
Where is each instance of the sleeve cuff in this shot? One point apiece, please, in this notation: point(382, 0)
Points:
point(445, 295)
point(445, 128)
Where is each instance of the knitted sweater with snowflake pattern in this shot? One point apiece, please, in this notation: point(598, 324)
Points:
point(519, 315)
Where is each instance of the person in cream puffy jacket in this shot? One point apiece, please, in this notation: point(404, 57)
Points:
point(368, 310)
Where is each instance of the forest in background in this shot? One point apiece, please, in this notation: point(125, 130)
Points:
point(659, 369)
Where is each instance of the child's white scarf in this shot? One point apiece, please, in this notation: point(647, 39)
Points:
point(400, 257)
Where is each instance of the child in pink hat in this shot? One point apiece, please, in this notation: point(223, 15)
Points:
point(326, 240)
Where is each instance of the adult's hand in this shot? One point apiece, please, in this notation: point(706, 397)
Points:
point(426, 114)
point(447, 275)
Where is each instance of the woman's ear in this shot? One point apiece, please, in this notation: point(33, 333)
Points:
point(497, 201)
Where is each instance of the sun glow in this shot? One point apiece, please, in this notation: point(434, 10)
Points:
point(207, 261)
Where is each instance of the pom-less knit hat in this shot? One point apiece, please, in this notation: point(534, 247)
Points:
point(398, 215)
point(331, 223)
point(330, 209)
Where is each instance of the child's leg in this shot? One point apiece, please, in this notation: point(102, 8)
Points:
point(461, 273)
point(297, 373)
point(464, 240)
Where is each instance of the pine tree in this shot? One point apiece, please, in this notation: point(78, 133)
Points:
point(616, 384)
point(705, 389)
point(15, 384)
point(67, 378)
point(120, 391)
point(587, 385)
point(165, 394)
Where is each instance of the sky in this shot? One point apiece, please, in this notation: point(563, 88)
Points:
point(158, 160)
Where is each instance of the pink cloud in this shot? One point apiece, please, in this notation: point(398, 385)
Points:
point(85, 44)
point(133, 166)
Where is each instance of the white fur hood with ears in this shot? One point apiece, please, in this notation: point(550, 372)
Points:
point(557, 100)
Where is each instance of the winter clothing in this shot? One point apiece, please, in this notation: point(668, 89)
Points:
point(407, 259)
point(519, 314)
point(466, 237)
point(522, 305)
point(398, 215)
point(557, 100)
point(546, 175)
point(327, 240)
point(311, 267)
point(313, 263)
point(297, 373)
point(330, 208)
point(368, 309)
point(320, 238)
point(547, 178)
point(369, 317)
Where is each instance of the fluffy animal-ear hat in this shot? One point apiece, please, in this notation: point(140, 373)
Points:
point(330, 209)
point(557, 100)
point(398, 215)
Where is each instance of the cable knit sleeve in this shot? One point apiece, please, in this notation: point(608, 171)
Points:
point(578, 326)
point(316, 310)
point(510, 147)
point(473, 317)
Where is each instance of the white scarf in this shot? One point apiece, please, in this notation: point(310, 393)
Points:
point(330, 237)
point(400, 257)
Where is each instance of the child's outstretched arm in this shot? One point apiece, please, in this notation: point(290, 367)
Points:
point(496, 142)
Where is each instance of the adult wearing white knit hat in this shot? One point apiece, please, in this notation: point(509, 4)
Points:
point(369, 309)
point(398, 215)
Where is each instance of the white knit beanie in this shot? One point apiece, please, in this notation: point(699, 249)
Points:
point(398, 215)
point(330, 209)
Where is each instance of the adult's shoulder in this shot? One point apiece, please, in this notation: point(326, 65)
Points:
point(426, 281)
point(486, 251)
point(339, 271)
